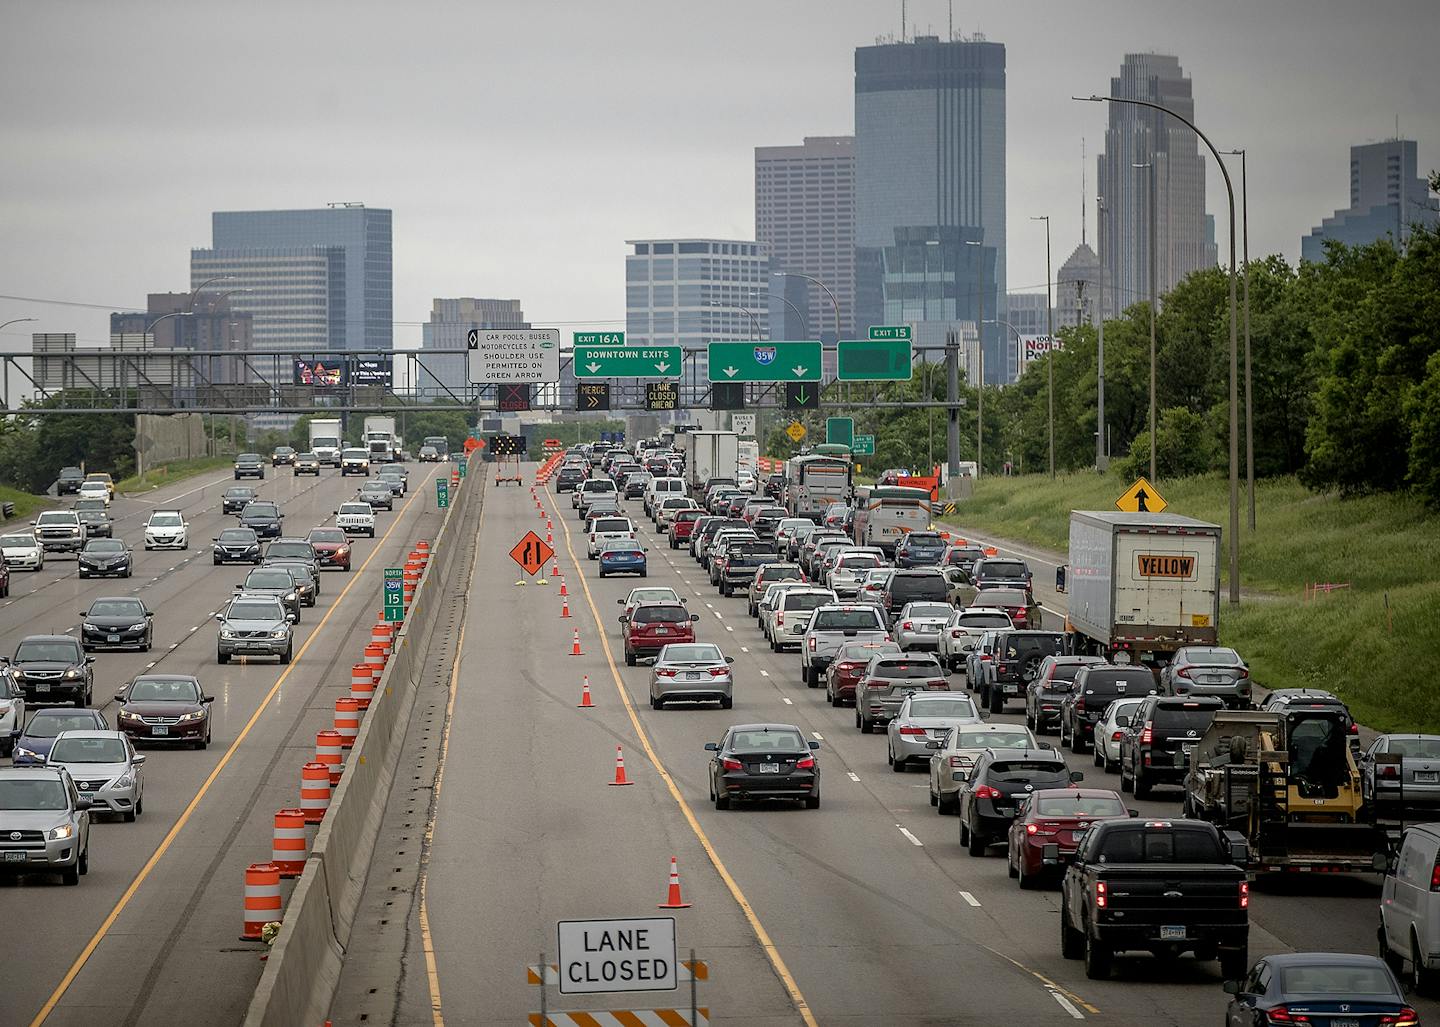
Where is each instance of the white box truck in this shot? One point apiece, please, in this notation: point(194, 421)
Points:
point(1142, 585)
point(325, 441)
point(709, 455)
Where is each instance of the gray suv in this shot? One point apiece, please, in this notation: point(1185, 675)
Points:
point(44, 823)
point(255, 625)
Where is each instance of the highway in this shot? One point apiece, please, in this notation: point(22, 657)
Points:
point(866, 911)
point(151, 935)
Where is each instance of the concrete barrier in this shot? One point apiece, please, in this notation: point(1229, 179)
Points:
point(303, 969)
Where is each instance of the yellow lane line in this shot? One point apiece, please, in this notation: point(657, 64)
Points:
point(1045, 980)
point(174, 832)
point(771, 952)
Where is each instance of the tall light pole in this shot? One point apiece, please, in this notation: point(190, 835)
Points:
point(1050, 327)
point(1150, 187)
point(834, 303)
point(979, 363)
point(804, 325)
point(1249, 404)
point(6, 386)
point(217, 278)
point(1102, 459)
point(1234, 338)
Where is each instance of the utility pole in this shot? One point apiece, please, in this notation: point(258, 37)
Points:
point(1102, 462)
point(1150, 164)
point(1249, 401)
point(1050, 354)
point(952, 400)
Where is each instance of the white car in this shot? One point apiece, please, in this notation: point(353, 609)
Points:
point(950, 765)
point(22, 552)
point(12, 713)
point(745, 482)
point(355, 519)
point(94, 490)
point(166, 529)
point(963, 632)
point(668, 507)
point(605, 529)
point(1111, 727)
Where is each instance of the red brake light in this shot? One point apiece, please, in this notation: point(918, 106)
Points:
point(662, 673)
point(912, 730)
point(1031, 829)
point(719, 672)
point(1146, 736)
point(1407, 1017)
point(1281, 1014)
point(1244, 895)
point(1435, 877)
point(986, 792)
point(1115, 736)
point(1354, 729)
point(780, 617)
point(805, 763)
point(729, 764)
point(812, 643)
point(1183, 672)
point(1388, 770)
point(1101, 898)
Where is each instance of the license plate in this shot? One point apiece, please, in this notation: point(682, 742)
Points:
point(17, 857)
point(1344, 1023)
point(1012, 689)
point(159, 731)
point(42, 688)
point(112, 638)
point(768, 768)
point(692, 676)
point(662, 631)
point(1172, 933)
point(1425, 777)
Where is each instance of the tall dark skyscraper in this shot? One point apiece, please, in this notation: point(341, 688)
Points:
point(1387, 197)
point(930, 187)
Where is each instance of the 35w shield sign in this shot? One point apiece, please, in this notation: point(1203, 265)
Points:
point(764, 355)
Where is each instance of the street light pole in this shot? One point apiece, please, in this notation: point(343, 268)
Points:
point(1249, 404)
point(1102, 459)
point(1234, 338)
point(834, 303)
point(1050, 353)
point(1151, 189)
point(5, 403)
point(979, 368)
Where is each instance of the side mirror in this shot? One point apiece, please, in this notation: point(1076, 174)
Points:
point(83, 803)
point(712, 747)
point(138, 759)
point(1133, 813)
point(120, 695)
point(1046, 745)
point(220, 616)
point(1232, 987)
point(813, 745)
point(960, 775)
point(290, 618)
point(1380, 863)
point(84, 613)
point(1077, 776)
point(619, 602)
point(214, 538)
point(238, 588)
point(694, 617)
point(729, 659)
point(622, 618)
point(208, 698)
point(89, 659)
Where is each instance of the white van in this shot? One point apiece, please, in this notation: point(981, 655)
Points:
point(664, 488)
point(1410, 909)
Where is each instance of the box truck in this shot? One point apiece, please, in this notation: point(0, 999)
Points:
point(709, 456)
point(325, 440)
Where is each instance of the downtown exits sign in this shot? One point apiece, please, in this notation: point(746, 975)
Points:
point(627, 361)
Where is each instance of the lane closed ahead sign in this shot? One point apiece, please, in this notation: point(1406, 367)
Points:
point(617, 955)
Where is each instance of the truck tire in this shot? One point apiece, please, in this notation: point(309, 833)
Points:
point(1234, 963)
point(1099, 959)
point(1072, 942)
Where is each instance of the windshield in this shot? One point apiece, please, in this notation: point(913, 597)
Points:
point(1116, 680)
point(117, 608)
point(1039, 770)
point(269, 510)
point(916, 538)
point(237, 535)
point(926, 585)
point(993, 740)
point(650, 595)
point(941, 610)
point(1080, 806)
point(1001, 597)
point(89, 750)
point(353, 509)
point(166, 520)
point(52, 724)
point(256, 611)
point(693, 654)
point(327, 535)
point(1220, 656)
point(1428, 748)
point(983, 620)
point(354, 454)
point(1065, 673)
point(1149, 845)
point(269, 579)
point(622, 546)
point(853, 561)
point(105, 545)
point(612, 524)
point(1331, 979)
point(56, 518)
point(942, 708)
point(1194, 718)
point(297, 550)
point(766, 741)
point(906, 669)
point(660, 615)
point(33, 794)
point(808, 601)
point(89, 506)
point(842, 620)
point(55, 652)
point(239, 493)
point(163, 690)
point(1004, 570)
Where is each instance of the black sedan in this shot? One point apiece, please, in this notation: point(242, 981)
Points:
point(235, 499)
point(237, 545)
point(764, 761)
point(105, 556)
point(119, 622)
point(1318, 987)
point(263, 518)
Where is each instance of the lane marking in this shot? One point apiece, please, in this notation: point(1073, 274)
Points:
point(764, 673)
point(1050, 986)
point(818, 736)
point(1066, 1004)
point(852, 776)
point(913, 840)
point(970, 899)
point(744, 649)
point(752, 918)
point(787, 700)
point(144, 873)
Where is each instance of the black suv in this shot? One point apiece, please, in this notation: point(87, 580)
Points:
point(1156, 747)
point(569, 477)
point(263, 517)
point(68, 484)
point(919, 549)
point(919, 585)
point(996, 784)
point(249, 465)
point(1049, 687)
point(52, 667)
point(1095, 689)
point(775, 486)
point(1018, 655)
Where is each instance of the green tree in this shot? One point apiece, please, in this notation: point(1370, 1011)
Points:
point(1184, 445)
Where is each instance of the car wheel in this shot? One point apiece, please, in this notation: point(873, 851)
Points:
point(629, 658)
point(835, 700)
point(727, 703)
point(221, 658)
point(129, 816)
point(1077, 743)
point(1072, 942)
point(204, 742)
point(812, 677)
point(934, 799)
point(140, 805)
point(812, 802)
point(71, 875)
point(1422, 978)
point(1111, 766)
point(944, 806)
point(867, 726)
point(1127, 784)
point(1026, 881)
point(722, 801)
point(997, 701)
point(975, 843)
point(1010, 870)
point(1138, 783)
point(1098, 759)
point(1098, 959)
point(289, 653)
point(217, 561)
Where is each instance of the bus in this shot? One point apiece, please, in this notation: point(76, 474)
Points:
point(883, 513)
point(813, 482)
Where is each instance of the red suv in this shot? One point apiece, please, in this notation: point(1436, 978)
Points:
point(683, 526)
point(650, 627)
point(848, 667)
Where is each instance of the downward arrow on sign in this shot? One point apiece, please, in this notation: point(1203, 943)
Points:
point(662, 368)
point(731, 371)
point(592, 368)
point(799, 372)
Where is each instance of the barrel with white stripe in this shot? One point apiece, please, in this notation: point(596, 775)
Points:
point(329, 750)
point(314, 791)
point(362, 684)
point(262, 898)
point(347, 720)
point(289, 848)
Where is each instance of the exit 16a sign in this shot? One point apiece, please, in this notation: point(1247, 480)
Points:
point(599, 338)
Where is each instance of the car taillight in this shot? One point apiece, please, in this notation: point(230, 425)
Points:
point(729, 764)
point(592, 536)
point(780, 618)
point(719, 672)
point(959, 761)
point(632, 534)
point(1435, 876)
point(662, 673)
point(1244, 895)
point(1101, 898)
point(1388, 770)
point(1354, 729)
point(955, 633)
point(907, 626)
point(805, 763)
point(1146, 736)
point(985, 657)
point(1243, 672)
point(986, 792)
point(811, 642)
point(912, 730)
point(1183, 672)
point(1042, 829)
point(1407, 1017)
point(1115, 736)
point(1282, 1014)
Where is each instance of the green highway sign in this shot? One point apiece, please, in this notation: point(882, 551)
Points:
point(394, 594)
point(461, 469)
point(878, 332)
point(764, 361)
point(864, 445)
point(840, 431)
point(442, 493)
point(873, 360)
point(598, 339)
point(627, 361)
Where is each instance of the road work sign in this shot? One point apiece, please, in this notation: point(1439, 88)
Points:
point(617, 955)
point(1142, 498)
point(531, 553)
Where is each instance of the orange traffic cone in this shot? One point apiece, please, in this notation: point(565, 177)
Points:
point(575, 648)
point(563, 593)
point(673, 899)
point(620, 778)
point(585, 702)
point(564, 609)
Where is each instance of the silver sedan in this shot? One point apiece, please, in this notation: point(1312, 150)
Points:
point(105, 768)
point(923, 719)
point(918, 625)
point(694, 672)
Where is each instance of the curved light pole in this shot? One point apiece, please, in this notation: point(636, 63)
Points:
point(1234, 338)
point(804, 324)
point(3, 325)
point(1249, 405)
point(834, 303)
point(1050, 327)
point(754, 321)
point(217, 278)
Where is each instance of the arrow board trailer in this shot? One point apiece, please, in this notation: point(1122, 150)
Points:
point(617, 955)
point(522, 355)
point(1142, 585)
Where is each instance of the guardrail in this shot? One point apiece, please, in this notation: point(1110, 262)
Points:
point(303, 968)
point(7, 510)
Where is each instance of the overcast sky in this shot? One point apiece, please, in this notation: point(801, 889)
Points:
point(520, 142)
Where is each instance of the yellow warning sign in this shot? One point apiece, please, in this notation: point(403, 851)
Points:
point(796, 431)
point(1141, 498)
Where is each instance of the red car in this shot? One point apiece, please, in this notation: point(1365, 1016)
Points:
point(332, 547)
point(650, 627)
point(848, 666)
point(683, 526)
point(1056, 817)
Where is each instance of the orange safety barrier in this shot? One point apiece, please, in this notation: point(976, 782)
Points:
point(383, 635)
point(330, 750)
point(672, 898)
point(347, 720)
point(289, 848)
point(362, 684)
point(376, 658)
point(620, 778)
point(262, 898)
point(314, 791)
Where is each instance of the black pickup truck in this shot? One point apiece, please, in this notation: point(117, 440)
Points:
point(1162, 886)
point(742, 560)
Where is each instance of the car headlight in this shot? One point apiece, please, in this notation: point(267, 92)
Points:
point(127, 715)
point(89, 627)
point(17, 672)
point(138, 627)
point(196, 715)
point(72, 673)
point(343, 551)
point(60, 833)
point(227, 633)
point(282, 633)
point(126, 780)
point(23, 753)
point(290, 597)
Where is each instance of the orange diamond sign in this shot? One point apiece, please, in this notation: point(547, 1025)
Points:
point(531, 553)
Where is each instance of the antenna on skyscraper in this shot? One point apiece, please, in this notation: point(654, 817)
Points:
point(951, 5)
point(1082, 191)
point(902, 21)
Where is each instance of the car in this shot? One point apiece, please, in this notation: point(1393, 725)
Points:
point(745, 481)
point(743, 558)
point(767, 575)
point(305, 573)
point(603, 506)
point(165, 708)
point(569, 479)
point(377, 493)
point(1000, 778)
point(926, 717)
point(1048, 688)
point(1318, 987)
point(650, 627)
point(236, 498)
point(249, 465)
point(103, 557)
point(104, 477)
point(666, 507)
point(784, 622)
point(166, 529)
point(763, 761)
point(94, 490)
point(952, 759)
point(33, 743)
point(648, 594)
point(49, 668)
point(601, 530)
point(94, 514)
point(1095, 688)
point(1017, 659)
point(1058, 817)
point(918, 625)
point(682, 526)
point(356, 519)
point(1015, 602)
point(961, 633)
point(44, 823)
point(846, 577)
point(354, 461)
point(635, 483)
point(306, 463)
point(828, 628)
point(282, 455)
point(1159, 739)
point(1207, 670)
point(824, 557)
point(622, 556)
point(69, 481)
point(116, 622)
point(1410, 908)
point(886, 682)
point(590, 489)
point(263, 517)
point(696, 672)
point(917, 584)
point(276, 582)
point(920, 549)
point(255, 625)
point(1003, 571)
point(428, 455)
point(291, 548)
point(774, 486)
point(331, 547)
point(106, 769)
point(1401, 772)
point(59, 531)
point(1110, 729)
point(701, 538)
point(12, 713)
point(22, 551)
point(767, 520)
point(396, 476)
point(962, 555)
point(814, 541)
point(236, 545)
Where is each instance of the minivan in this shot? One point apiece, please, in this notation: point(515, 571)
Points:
point(661, 488)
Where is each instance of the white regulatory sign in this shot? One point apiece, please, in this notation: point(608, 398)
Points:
point(743, 424)
point(513, 355)
point(617, 955)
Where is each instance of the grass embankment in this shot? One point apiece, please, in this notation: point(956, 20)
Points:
point(26, 505)
point(1386, 548)
point(176, 470)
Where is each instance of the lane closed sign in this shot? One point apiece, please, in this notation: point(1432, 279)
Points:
point(617, 955)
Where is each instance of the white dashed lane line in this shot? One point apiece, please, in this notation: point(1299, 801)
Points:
point(913, 840)
point(852, 776)
point(764, 673)
point(1066, 1004)
point(787, 700)
point(970, 899)
point(817, 736)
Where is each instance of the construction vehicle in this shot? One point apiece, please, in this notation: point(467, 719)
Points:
point(1289, 783)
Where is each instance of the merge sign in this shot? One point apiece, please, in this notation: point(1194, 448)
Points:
point(525, 355)
point(617, 955)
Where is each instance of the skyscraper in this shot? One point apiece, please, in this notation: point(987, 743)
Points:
point(315, 280)
point(930, 187)
point(443, 371)
point(1077, 289)
point(1387, 197)
point(204, 323)
point(1139, 136)
point(805, 216)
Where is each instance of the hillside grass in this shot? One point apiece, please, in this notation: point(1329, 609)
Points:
point(26, 504)
point(1367, 643)
point(175, 470)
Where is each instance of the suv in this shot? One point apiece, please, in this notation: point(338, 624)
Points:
point(766, 576)
point(236, 498)
point(650, 627)
point(68, 484)
point(958, 638)
point(249, 465)
point(568, 479)
point(1095, 689)
point(59, 531)
point(590, 489)
point(829, 628)
point(282, 455)
point(95, 516)
point(921, 584)
point(50, 667)
point(1156, 747)
point(1002, 571)
point(1051, 684)
point(786, 623)
point(995, 786)
point(1018, 655)
point(255, 625)
point(886, 682)
point(919, 549)
point(44, 823)
point(354, 461)
point(355, 519)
